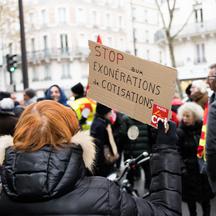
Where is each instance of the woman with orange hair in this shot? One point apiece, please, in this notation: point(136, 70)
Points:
point(44, 172)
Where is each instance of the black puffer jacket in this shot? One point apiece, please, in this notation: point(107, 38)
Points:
point(53, 182)
point(136, 146)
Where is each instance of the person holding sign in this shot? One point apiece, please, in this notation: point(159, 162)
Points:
point(107, 153)
point(44, 172)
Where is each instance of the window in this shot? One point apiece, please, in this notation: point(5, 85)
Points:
point(44, 17)
point(160, 56)
point(198, 12)
point(94, 17)
point(133, 13)
point(147, 36)
point(122, 44)
point(108, 20)
point(120, 22)
point(81, 16)
point(94, 37)
point(47, 75)
point(200, 53)
point(198, 15)
point(148, 54)
point(66, 71)
point(33, 46)
point(83, 41)
point(62, 15)
point(34, 74)
point(146, 16)
point(32, 19)
point(64, 43)
point(45, 45)
point(109, 41)
point(10, 48)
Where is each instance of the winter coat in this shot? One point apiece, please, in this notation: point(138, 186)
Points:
point(195, 186)
point(211, 144)
point(53, 182)
point(99, 132)
point(134, 147)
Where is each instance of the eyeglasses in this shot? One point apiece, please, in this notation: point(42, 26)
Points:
point(211, 77)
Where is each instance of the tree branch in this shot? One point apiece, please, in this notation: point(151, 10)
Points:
point(171, 12)
point(161, 14)
point(181, 28)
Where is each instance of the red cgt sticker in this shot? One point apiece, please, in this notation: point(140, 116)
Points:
point(159, 113)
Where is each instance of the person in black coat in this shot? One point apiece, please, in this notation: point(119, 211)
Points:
point(195, 186)
point(99, 131)
point(44, 173)
point(135, 137)
point(211, 125)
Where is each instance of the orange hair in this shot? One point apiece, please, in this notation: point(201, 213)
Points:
point(45, 122)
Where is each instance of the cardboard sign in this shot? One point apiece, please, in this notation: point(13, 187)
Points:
point(141, 89)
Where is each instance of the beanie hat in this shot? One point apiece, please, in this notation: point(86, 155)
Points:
point(102, 109)
point(30, 92)
point(78, 89)
point(4, 95)
point(7, 104)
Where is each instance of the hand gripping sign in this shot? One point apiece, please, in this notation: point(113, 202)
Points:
point(159, 114)
point(141, 89)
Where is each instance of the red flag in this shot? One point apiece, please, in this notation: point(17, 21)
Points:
point(99, 40)
point(87, 89)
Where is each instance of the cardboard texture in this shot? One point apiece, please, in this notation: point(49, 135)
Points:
point(139, 88)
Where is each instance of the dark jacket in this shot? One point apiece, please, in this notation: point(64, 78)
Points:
point(134, 147)
point(99, 132)
point(53, 182)
point(211, 145)
point(195, 186)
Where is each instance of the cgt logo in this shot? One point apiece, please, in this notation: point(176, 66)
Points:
point(159, 113)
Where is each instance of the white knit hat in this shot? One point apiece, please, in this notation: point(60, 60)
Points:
point(7, 104)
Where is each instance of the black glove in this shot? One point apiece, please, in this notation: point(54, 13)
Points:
point(168, 139)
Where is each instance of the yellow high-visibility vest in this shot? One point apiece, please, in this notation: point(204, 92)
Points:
point(84, 107)
point(201, 151)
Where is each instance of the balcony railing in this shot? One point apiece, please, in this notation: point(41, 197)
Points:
point(190, 30)
point(57, 53)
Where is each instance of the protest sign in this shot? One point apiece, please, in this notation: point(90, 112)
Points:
point(139, 88)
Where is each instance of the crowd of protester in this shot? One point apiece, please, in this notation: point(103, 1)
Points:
point(28, 126)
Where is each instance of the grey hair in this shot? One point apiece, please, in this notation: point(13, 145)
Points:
point(196, 109)
point(200, 85)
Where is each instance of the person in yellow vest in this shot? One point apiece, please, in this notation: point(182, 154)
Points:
point(199, 95)
point(84, 107)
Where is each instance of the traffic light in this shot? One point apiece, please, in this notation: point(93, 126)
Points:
point(11, 63)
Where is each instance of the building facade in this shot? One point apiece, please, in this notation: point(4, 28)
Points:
point(195, 44)
point(145, 22)
point(57, 34)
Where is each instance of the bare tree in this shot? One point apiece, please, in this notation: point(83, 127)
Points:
point(9, 18)
point(167, 27)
